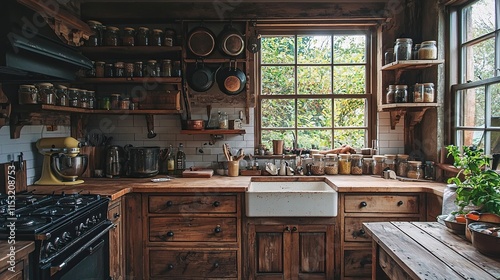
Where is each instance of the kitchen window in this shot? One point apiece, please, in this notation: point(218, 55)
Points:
point(314, 89)
point(476, 96)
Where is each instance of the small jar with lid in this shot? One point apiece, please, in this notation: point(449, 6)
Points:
point(367, 166)
point(331, 164)
point(378, 165)
point(318, 165)
point(176, 69)
point(128, 36)
point(96, 38)
point(401, 94)
point(138, 69)
point(104, 103)
point(128, 69)
point(142, 36)
point(389, 97)
point(418, 93)
point(74, 97)
point(46, 93)
point(356, 164)
point(344, 164)
point(390, 162)
point(90, 73)
point(223, 121)
point(92, 100)
point(62, 95)
point(166, 68)
point(389, 56)
point(125, 104)
point(414, 53)
point(28, 94)
point(150, 70)
point(414, 170)
point(403, 49)
point(109, 70)
point(429, 172)
point(401, 164)
point(114, 101)
point(168, 40)
point(111, 36)
point(429, 92)
point(119, 67)
point(99, 69)
point(428, 50)
point(156, 37)
point(84, 99)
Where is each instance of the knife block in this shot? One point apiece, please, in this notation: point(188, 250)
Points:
point(20, 177)
point(95, 155)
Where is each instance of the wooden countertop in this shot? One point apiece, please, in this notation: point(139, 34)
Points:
point(427, 250)
point(115, 188)
point(22, 249)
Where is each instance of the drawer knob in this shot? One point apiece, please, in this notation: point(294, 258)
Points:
point(216, 204)
point(217, 229)
point(216, 264)
point(363, 204)
point(400, 203)
point(170, 266)
point(116, 215)
point(294, 229)
point(362, 232)
point(169, 203)
point(170, 233)
point(287, 228)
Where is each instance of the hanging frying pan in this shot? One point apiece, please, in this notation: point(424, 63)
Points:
point(231, 41)
point(202, 78)
point(201, 41)
point(231, 80)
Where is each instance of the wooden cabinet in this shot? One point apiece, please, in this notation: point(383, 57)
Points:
point(116, 241)
point(434, 206)
point(288, 250)
point(358, 208)
point(20, 269)
point(192, 236)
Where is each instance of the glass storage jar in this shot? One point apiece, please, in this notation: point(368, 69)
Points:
point(62, 95)
point(114, 101)
point(151, 69)
point(74, 97)
point(414, 53)
point(138, 67)
point(429, 172)
point(96, 38)
point(344, 164)
point(168, 40)
point(28, 94)
point(331, 164)
point(99, 69)
point(428, 92)
point(176, 69)
point(104, 103)
point(367, 166)
point(318, 165)
point(111, 36)
point(414, 170)
point(223, 121)
point(46, 93)
point(401, 164)
point(142, 36)
point(356, 164)
point(418, 93)
point(401, 94)
point(119, 69)
point(428, 50)
point(402, 49)
point(390, 162)
point(389, 97)
point(378, 165)
point(156, 37)
point(128, 36)
point(389, 56)
point(166, 68)
point(84, 99)
point(129, 69)
point(109, 70)
point(90, 73)
point(125, 104)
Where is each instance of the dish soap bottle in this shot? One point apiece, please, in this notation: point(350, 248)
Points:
point(180, 160)
point(171, 161)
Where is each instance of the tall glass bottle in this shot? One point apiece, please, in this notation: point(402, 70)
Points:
point(171, 161)
point(180, 159)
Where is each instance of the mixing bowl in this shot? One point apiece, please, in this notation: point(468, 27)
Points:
point(486, 238)
point(68, 168)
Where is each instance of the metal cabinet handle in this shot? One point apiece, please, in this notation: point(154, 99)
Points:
point(169, 203)
point(216, 204)
point(170, 266)
point(170, 233)
point(217, 229)
point(116, 215)
point(216, 264)
point(363, 204)
point(400, 203)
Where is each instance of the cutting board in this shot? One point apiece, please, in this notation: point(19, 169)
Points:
point(203, 173)
point(20, 177)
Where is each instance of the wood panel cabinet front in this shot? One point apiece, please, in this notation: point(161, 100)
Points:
point(164, 204)
point(381, 203)
point(116, 241)
point(192, 229)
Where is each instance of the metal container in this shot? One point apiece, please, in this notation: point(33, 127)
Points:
point(69, 168)
point(28, 94)
point(142, 161)
point(114, 161)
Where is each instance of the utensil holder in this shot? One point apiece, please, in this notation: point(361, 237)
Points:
point(233, 168)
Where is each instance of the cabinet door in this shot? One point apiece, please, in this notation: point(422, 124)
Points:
point(269, 252)
point(313, 252)
point(116, 259)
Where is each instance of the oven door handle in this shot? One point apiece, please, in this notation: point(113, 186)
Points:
point(55, 269)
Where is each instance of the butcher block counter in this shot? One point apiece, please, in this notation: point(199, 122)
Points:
point(115, 188)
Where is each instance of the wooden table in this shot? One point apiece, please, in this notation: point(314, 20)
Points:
point(426, 250)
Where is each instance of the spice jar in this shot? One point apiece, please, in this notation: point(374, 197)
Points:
point(401, 165)
point(414, 53)
point(111, 36)
point(142, 36)
point(402, 49)
point(331, 164)
point(46, 93)
point(428, 92)
point(176, 69)
point(74, 97)
point(378, 165)
point(389, 56)
point(138, 69)
point(90, 73)
point(429, 172)
point(318, 165)
point(390, 162)
point(28, 94)
point(344, 164)
point(96, 38)
point(169, 37)
point(125, 104)
point(128, 36)
point(367, 166)
point(84, 99)
point(99, 69)
point(356, 164)
point(156, 37)
point(418, 93)
point(401, 94)
point(62, 95)
point(104, 103)
point(223, 121)
point(109, 70)
point(389, 97)
point(428, 50)
point(115, 101)
point(166, 68)
point(129, 69)
point(92, 100)
point(414, 170)
point(119, 69)
point(151, 69)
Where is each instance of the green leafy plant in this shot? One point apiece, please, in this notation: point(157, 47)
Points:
point(477, 185)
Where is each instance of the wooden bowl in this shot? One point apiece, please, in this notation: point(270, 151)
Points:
point(458, 228)
point(486, 238)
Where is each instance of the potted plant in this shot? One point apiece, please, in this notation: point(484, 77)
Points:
point(477, 185)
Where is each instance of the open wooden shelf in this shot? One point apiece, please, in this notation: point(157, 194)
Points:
point(411, 64)
point(214, 131)
point(128, 50)
point(399, 106)
point(415, 111)
point(37, 107)
point(132, 80)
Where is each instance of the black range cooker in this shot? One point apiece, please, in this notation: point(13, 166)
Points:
point(70, 233)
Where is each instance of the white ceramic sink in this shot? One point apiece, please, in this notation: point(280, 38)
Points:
point(291, 199)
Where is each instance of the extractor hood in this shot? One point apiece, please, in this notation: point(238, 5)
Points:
point(31, 51)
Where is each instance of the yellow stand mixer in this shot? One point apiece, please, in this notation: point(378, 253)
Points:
point(62, 164)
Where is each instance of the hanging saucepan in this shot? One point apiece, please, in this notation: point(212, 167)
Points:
point(231, 41)
point(231, 80)
point(201, 41)
point(202, 78)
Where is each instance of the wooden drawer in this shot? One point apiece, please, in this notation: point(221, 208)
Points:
point(353, 227)
point(185, 228)
point(358, 263)
point(114, 212)
point(187, 264)
point(19, 274)
point(381, 203)
point(163, 204)
point(390, 267)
